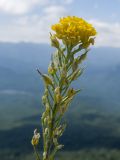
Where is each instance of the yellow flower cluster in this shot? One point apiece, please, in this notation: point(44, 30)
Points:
point(73, 30)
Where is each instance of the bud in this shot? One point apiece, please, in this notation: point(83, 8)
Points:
point(58, 98)
point(71, 92)
point(47, 108)
point(46, 131)
point(43, 116)
point(59, 147)
point(55, 141)
point(35, 139)
point(92, 41)
point(54, 41)
point(57, 90)
point(58, 131)
point(45, 121)
point(51, 70)
point(44, 155)
point(47, 80)
point(66, 103)
point(44, 99)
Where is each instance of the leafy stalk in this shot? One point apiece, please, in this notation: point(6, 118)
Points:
point(59, 95)
point(65, 68)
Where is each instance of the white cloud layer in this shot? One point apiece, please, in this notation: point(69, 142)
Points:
point(35, 27)
point(68, 1)
point(20, 6)
point(25, 6)
point(108, 33)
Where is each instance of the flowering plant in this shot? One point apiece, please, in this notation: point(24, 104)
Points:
point(71, 35)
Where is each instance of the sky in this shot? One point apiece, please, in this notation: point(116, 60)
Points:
point(30, 20)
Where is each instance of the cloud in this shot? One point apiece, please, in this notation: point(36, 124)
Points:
point(34, 28)
point(68, 1)
point(25, 6)
point(108, 33)
point(20, 6)
point(53, 13)
point(55, 9)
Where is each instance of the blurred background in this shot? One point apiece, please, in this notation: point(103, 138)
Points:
point(93, 131)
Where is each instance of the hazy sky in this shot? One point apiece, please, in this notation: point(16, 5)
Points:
point(30, 20)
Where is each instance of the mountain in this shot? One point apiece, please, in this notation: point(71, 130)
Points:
point(24, 55)
point(96, 110)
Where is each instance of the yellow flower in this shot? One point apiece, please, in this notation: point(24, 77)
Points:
point(73, 30)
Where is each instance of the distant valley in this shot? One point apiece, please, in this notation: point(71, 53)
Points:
point(96, 110)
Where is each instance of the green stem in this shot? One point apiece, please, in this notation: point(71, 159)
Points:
point(49, 102)
point(36, 153)
point(49, 144)
point(57, 77)
point(59, 58)
point(65, 59)
point(62, 55)
point(58, 120)
point(77, 50)
point(50, 93)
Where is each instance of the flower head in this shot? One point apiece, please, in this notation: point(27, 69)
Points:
point(73, 30)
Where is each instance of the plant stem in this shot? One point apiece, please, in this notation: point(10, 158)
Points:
point(36, 153)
